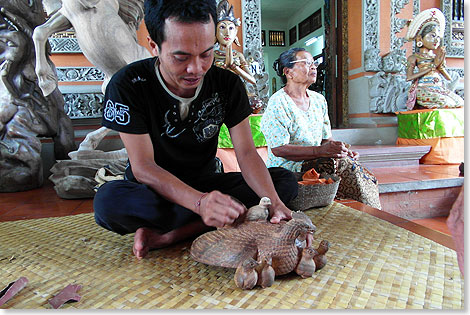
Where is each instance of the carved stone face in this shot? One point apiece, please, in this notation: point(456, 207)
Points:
point(12, 45)
point(226, 32)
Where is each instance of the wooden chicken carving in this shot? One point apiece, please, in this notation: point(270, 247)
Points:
point(260, 250)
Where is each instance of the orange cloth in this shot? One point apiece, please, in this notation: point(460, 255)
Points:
point(311, 177)
point(443, 150)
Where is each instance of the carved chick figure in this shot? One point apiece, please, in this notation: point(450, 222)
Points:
point(246, 276)
point(320, 258)
point(266, 273)
point(306, 266)
point(260, 211)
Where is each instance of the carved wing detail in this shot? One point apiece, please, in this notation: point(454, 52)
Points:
point(225, 247)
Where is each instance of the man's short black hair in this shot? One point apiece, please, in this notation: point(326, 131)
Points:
point(186, 11)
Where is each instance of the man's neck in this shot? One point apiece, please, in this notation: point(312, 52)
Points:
point(183, 93)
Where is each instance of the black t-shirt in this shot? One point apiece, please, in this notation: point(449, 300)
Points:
point(136, 103)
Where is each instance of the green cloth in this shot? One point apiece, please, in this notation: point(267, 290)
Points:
point(438, 123)
point(258, 137)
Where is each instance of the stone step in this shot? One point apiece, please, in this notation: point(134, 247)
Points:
point(420, 203)
point(390, 155)
point(418, 192)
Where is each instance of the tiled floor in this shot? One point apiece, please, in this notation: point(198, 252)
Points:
point(44, 202)
point(40, 203)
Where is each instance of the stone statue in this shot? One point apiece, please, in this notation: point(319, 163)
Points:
point(429, 88)
point(105, 30)
point(25, 113)
point(106, 33)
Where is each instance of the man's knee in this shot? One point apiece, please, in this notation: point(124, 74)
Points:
point(285, 183)
point(115, 201)
point(105, 197)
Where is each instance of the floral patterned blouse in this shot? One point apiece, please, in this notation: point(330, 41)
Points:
point(284, 123)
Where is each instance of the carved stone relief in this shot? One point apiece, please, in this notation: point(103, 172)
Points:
point(252, 49)
point(79, 74)
point(454, 34)
point(372, 60)
point(64, 42)
point(397, 24)
point(395, 60)
point(388, 92)
point(83, 105)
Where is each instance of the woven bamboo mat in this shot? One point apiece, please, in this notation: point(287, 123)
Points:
point(372, 264)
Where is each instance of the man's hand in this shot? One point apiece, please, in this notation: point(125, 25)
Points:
point(218, 209)
point(279, 213)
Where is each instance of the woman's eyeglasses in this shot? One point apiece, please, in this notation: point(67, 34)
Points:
point(308, 62)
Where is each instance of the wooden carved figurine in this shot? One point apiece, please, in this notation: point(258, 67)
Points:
point(270, 245)
point(259, 212)
point(429, 88)
point(266, 273)
point(226, 32)
point(306, 266)
point(320, 256)
point(246, 276)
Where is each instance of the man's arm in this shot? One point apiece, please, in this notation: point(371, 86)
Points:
point(216, 209)
point(254, 170)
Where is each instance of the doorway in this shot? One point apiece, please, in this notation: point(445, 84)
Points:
point(287, 16)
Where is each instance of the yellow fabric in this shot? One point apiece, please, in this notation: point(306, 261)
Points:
point(443, 150)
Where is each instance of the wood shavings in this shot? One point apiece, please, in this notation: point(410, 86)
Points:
point(69, 293)
point(12, 289)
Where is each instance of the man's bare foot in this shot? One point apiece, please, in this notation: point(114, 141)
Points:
point(146, 239)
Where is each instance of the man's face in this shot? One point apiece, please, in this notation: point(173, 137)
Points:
point(185, 55)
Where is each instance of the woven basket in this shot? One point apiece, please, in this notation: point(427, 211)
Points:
point(312, 196)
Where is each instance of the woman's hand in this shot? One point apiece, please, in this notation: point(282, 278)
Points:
point(333, 149)
point(353, 154)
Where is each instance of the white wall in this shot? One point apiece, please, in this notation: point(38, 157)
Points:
point(272, 53)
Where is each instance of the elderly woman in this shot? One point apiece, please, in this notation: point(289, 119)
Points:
point(298, 132)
